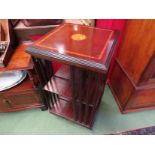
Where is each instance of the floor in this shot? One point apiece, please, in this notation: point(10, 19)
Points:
point(108, 120)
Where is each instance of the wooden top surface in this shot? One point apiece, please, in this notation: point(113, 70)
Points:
point(81, 43)
point(20, 60)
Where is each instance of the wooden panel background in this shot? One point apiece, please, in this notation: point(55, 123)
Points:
point(140, 43)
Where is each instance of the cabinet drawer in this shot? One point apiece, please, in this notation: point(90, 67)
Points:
point(26, 98)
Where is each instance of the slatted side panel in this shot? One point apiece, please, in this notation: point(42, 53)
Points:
point(87, 92)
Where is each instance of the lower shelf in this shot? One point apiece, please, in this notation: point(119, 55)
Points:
point(65, 109)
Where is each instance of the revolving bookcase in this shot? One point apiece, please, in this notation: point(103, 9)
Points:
point(74, 90)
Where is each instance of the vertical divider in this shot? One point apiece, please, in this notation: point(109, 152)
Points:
point(87, 95)
point(98, 90)
point(49, 74)
point(74, 92)
point(45, 77)
point(44, 95)
point(80, 93)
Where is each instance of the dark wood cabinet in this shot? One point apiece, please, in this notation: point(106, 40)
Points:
point(133, 77)
point(74, 91)
point(26, 95)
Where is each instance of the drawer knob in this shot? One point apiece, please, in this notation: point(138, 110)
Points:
point(7, 102)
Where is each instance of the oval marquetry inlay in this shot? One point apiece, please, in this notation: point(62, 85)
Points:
point(78, 36)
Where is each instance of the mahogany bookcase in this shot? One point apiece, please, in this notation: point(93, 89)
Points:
point(75, 89)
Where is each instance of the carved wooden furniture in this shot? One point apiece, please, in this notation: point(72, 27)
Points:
point(75, 90)
point(133, 76)
point(25, 95)
point(7, 39)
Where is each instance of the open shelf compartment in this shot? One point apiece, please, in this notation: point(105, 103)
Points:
point(65, 105)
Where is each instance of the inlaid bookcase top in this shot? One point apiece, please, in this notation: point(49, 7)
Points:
point(78, 44)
